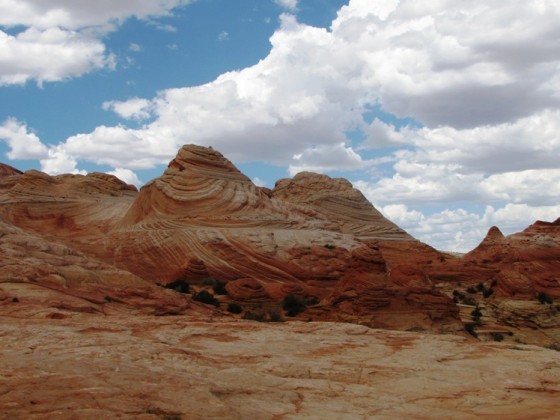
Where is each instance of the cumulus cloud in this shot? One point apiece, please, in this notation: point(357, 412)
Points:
point(287, 4)
point(49, 55)
point(59, 161)
point(78, 14)
point(461, 230)
point(480, 80)
point(62, 39)
point(23, 143)
point(337, 157)
point(127, 176)
point(134, 108)
point(472, 90)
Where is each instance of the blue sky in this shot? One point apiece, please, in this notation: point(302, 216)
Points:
point(445, 114)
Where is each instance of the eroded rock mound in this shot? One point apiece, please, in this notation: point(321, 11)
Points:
point(313, 239)
point(343, 205)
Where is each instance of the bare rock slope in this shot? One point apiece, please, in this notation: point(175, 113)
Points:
point(93, 367)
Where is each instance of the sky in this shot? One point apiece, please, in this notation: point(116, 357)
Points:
point(445, 114)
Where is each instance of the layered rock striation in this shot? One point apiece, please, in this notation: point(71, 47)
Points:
point(205, 223)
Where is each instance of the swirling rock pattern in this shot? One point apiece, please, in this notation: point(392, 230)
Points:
point(311, 236)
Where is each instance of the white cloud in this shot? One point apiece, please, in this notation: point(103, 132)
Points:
point(337, 157)
point(61, 38)
point(78, 14)
point(223, 36)
point(127, 176)
point(287, 4)
point(134, 108)
point(259, 182)
point(135, 47)
point(23, 144)
point(59, 161)
point(460, 230)
point(482, 78)
point(49, 55)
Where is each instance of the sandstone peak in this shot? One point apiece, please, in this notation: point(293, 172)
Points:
point(204, 161)
point(340, 202)
point(7, 170)
point(199, 183)
point(494, 235)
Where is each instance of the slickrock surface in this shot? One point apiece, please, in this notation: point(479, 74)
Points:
point(93, 367)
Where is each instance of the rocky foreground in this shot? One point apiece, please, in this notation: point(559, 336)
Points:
point(119, 303)
point(93, 367)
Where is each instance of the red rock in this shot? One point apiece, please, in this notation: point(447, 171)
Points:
point(311, 236)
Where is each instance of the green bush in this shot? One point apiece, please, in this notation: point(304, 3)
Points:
point(487, 293)
point(544, 298)
point(234, 308)
point(219, 288)
point(179, 285)
point(252, 316)
point(293, 305)
point(470, 328)
point(205, 297)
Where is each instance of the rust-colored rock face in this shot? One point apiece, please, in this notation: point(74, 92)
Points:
point(7, 170)
point(204, 229)
point(91, 271)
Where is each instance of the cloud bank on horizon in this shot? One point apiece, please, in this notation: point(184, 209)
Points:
point(445, 114)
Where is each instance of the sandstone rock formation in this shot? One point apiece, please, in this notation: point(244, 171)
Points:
point(7, 170)
point(87, 331)
point(206, 224)
point(92, 366)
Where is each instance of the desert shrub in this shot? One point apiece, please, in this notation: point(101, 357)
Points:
point(471, 290)
point(470, 328)
point(234, 308)
point(544, 298)
point(208, 281)
point(252, 316)
point(312, 300)
point(497, 336)
point(476, 314)
point(179, 285)
point(293, 305)
point(467, 300)
point(480, 287)
point(219, 288)
point(274, 315)
point(487, 293)
point(329, 246)
point(205, 297)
